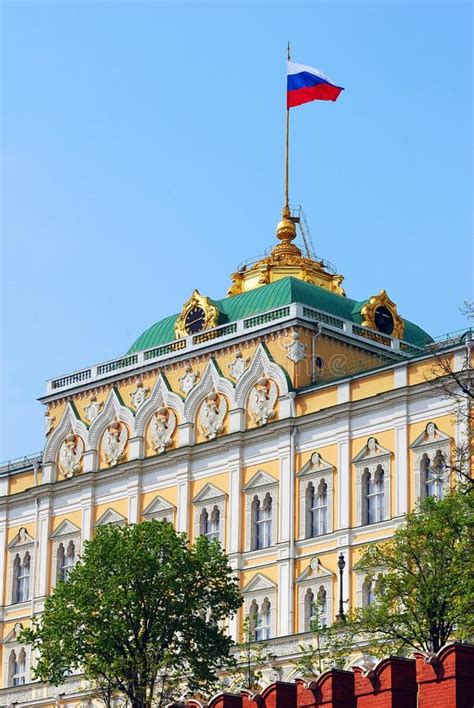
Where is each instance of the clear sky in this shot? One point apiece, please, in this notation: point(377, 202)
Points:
point(142, 156)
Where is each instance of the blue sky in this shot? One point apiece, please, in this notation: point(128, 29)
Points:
point(142, 156)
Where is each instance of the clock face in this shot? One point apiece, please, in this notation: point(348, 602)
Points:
point(195, 320)
point(383, 319)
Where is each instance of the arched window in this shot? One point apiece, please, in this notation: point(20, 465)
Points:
point(21, 578)
point(317, 506)
point(262, 522)
point(66, 560)
point(308, 610)
point(374, 494)
point(263, 624)
point(210, 523)
point(17, 668)
point(368, 593)
point(433, 474)
point(259, 620)
point(322, 602)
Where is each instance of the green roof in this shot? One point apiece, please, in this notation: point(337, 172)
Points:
point(269, 297)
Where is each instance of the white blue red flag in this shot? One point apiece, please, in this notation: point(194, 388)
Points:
point(306, 84)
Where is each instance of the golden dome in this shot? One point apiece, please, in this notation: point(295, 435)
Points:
point(286, 229)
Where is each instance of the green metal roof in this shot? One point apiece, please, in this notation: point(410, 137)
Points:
point(268, 297)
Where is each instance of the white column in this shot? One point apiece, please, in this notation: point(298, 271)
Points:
point(401, 470)
point(235, 484)
point(87, 505)
point(133, 494)
point(42, 546)
point(3, 554)
point(344, 479)
point(183, 477)
point(285, 539)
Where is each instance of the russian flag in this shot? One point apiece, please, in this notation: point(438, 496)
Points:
point(306, 84)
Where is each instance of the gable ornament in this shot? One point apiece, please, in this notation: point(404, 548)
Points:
point(49, 422)
point(239, 365)
point(263, 398)
point(188, 380)
point(70, 455)
point(163, 424)
point(93, 408)
point(113, 443)
point(295, 350)
point(139, 395)
point(212, 414)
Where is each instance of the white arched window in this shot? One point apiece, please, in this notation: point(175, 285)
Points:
point(262, 521)
point(433, 475)
point(17, 668)
point(210, 523)
point(260, 620)
point(322, 603)
point(21, 578)
point(374, 494)
point(317, 509)
point(308, 610)
point(368, 593)
point(66, 560)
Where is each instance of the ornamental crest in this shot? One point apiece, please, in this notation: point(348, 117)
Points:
point(188, 380)
point(238, 366)
point(162, 427)
point(93, 408)
point(113, 443)
point(49, 422)
point(296, 350)
point(70, 454)
point(263, 397)
point(139, 395)
point(212, 414)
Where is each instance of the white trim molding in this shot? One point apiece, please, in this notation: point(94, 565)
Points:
point(258, 486)
point(372, 459)
point(209, 499)
point(431, 443)
point(161, 510)
point(315, 471)
point(314, 578)
point(261, 589)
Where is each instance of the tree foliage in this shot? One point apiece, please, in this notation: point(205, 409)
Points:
point(423, 580)
point(141, 614)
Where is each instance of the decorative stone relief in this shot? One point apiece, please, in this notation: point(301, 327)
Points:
point(238, 366)
point(70, 454)
point(188, 380)
point(139, 395)
point(212, 414)
point(296, 350)
point(49, 422)
point(162, 427)
point(113, 443)
point(263, 397)
point(93, 408)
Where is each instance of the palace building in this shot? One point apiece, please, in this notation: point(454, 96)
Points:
point(291, 422)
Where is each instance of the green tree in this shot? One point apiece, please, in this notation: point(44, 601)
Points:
point(423, 580)
point(250, 658)
point(141, 615)
point(330, 648)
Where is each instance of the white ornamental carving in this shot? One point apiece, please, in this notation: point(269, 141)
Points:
point(49, 422)
point(113, 443)
point(238, 366)
point(70, 454)
point(139, 395)
point(296, 350)
point(212, 414)
point(93, 408)
point(263, 397)
point(162, 428)
point(188, 380)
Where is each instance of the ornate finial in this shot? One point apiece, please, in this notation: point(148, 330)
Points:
point(286, 229)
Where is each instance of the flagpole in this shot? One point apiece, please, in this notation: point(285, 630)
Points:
point(286, 210)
